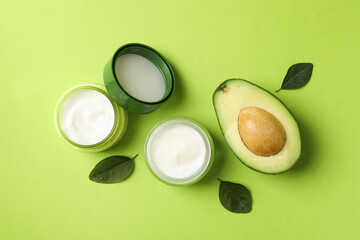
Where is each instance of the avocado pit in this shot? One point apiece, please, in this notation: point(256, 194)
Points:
point(261, 132)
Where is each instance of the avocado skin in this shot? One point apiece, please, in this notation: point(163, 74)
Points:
point(221, 88)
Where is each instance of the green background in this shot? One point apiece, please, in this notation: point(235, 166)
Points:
point(47, 47)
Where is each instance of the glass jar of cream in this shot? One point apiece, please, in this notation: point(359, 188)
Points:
point(87, 119)
point(179, 151)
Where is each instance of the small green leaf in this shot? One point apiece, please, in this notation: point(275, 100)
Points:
point(297, 76)
point(113, 169)
point(235, 197)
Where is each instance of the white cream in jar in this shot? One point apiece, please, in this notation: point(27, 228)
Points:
point(179, 151)
point(87, 117)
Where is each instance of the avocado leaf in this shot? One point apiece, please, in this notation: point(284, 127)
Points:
point(235, 197)
point(113, 169)
point(297, 76)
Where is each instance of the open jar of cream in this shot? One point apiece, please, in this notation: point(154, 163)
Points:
point(87, 119)
point(179, 151)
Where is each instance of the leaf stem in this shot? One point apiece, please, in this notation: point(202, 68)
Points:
point(135, 156)
point(219, 179)
point(278, 90)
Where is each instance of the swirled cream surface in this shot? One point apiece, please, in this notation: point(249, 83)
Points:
point(178, 150)
point(87, 117)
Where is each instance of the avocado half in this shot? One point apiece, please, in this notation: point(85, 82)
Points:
point(231, 100)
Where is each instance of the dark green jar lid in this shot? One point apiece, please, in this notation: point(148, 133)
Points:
point(120, 95)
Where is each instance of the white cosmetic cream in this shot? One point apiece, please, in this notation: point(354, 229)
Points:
point(139, 77)
point(178, 151)
point(87, 117)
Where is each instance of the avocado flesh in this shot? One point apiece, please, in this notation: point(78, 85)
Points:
point(233, 95)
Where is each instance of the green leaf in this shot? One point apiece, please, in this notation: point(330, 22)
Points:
point(297, 76)
point(235, 197)
point(113, 169)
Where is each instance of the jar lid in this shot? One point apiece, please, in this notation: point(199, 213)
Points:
point(122, 96)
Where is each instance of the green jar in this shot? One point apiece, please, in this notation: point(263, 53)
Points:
point(151, 144)
point(118, 128)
